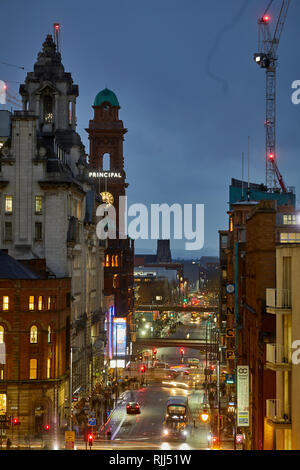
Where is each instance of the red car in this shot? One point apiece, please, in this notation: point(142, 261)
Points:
point(133, 407)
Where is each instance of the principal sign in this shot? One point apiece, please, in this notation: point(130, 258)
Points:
point(105, 174)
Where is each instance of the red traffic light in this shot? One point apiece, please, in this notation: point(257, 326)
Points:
point(143, 368)
point(154, 351)
point(212, 367)
point(47, 427)
point(181, 351)
point(91, 437)
point(16, 421)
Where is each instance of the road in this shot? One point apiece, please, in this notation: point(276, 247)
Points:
point(145, 430)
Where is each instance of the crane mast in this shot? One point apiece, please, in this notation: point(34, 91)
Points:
point(267, 59)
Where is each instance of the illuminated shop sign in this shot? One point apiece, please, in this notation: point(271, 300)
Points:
point(119, 337)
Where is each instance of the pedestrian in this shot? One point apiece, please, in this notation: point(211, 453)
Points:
point(8, 443)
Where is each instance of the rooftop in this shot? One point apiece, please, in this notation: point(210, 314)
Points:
point(106, 96)
point(12, 269)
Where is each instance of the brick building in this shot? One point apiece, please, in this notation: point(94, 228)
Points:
point(106, 168)
point(247, 254)
point(35, 343)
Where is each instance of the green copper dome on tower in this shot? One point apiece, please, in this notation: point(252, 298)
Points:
point(106, 96)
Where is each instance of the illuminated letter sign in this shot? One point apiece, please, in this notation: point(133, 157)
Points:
point(105, 174)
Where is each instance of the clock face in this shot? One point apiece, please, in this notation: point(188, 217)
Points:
point(107, 197)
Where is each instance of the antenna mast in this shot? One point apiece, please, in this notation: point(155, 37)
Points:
point(56, 35)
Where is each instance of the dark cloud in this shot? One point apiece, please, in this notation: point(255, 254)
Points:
point(185, 135)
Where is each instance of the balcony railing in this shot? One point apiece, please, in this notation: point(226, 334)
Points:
point(277, 412)
point(278, 298)
point(278, 354)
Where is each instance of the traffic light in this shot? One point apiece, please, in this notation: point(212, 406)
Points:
point(143, 369)
point(212, 367)
point(91, 438)
point(141, 357)
point(182, 351)
point(154, 351)
point(16, 421)
point(47, 427)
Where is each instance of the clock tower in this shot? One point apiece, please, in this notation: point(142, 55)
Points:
point(106, 134)
point(106, 168)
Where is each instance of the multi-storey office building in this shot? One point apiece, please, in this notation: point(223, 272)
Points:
point(47, 203)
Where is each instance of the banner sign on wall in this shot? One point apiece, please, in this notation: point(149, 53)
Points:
point(242, 395)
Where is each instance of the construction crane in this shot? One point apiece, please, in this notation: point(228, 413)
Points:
point(267, 59)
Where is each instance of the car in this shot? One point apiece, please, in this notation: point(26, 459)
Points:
point(133, 407)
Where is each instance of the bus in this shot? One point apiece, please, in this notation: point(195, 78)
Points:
point(193, 362)
point(176, 418)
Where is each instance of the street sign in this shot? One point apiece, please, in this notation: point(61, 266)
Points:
point(92, 422)
point(230, 288)
point(69, 439)
point(229, 333)
point(229, 354)
point(229, 378)
point(69, 436)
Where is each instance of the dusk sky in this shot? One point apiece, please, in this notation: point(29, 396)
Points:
point(189, 90)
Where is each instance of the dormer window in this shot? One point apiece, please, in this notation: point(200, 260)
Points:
point(48, 109)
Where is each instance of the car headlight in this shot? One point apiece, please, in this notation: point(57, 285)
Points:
point(165, 432)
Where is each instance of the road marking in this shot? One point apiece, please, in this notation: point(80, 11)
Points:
point(118, 428)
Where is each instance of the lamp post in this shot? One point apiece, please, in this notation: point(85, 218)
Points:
point(71, 388)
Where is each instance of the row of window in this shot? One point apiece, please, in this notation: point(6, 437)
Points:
point(33, 336)
point(8, 231)
point(8, 204)
point(289, 219)
point(34, 302)
point(111, 261)
point(33, 369)
point(290, 237)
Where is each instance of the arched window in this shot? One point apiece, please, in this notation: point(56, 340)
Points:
point(116, 260)
point(33, 335)
point(107, 261)
point(1, 334)
point(49, 334)
point(106, 162)
point(48, 110)
point(113, 261)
